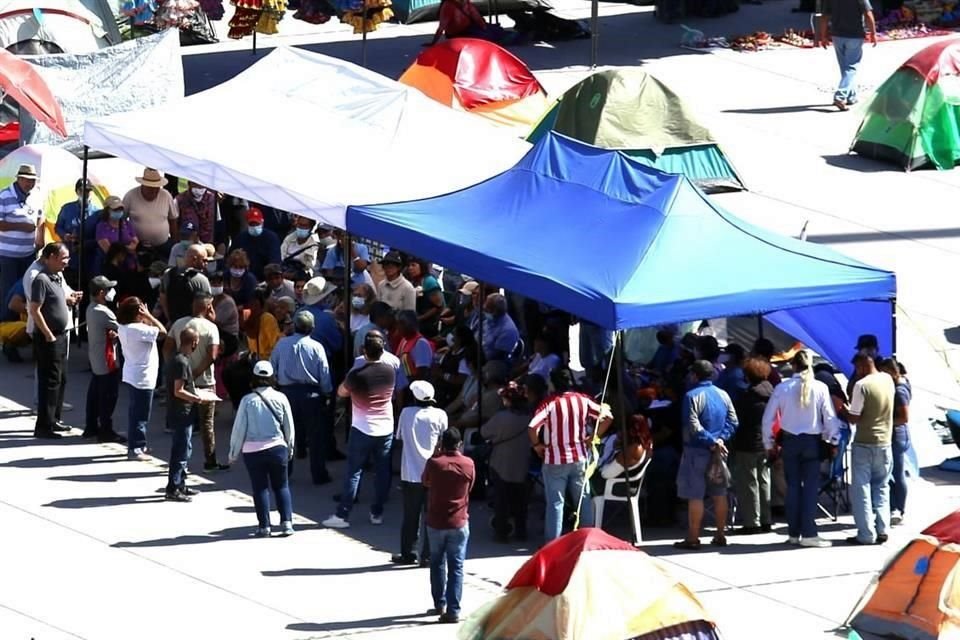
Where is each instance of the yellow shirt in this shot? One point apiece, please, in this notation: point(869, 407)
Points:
point(267, 337)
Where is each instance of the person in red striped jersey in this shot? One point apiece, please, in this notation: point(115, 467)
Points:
point(565, 422)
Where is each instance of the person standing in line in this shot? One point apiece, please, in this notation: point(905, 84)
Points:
point(807, 416)
point(139, 332)
point(104, 359)
point(182, 415)
point(19, 224)
point(843, 22)
point(871, 455)
point(448, 478)
point(49, 308)
point(419, 429)
point(751, 466)
point(263, 432)
point(370, 385)
point(901, 440)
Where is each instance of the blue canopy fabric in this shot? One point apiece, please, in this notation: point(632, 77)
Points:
point(615, 242)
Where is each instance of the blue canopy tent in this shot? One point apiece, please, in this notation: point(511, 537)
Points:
point(622, 245)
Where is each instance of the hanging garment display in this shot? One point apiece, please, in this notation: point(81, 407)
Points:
point(313, 11)
point(213, 9)
point(377, 11)
point(272, 13)
point(175, 13)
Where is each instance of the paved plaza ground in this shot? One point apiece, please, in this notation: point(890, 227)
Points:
point(91, 551)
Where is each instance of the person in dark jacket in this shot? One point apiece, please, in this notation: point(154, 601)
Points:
point(751, 469)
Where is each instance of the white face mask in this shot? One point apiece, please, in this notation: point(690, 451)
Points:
point(198, 193)
point(154, 282)
point(216, 291)
point(111, 295)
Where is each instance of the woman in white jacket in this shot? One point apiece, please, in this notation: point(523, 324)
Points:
point(263, 433)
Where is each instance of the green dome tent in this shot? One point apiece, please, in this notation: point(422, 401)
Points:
point(631, 111)
point(913, 119)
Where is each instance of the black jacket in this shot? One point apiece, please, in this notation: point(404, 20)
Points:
point(750, 407)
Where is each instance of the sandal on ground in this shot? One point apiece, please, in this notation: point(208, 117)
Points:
point(719, 541)
point(689, 545)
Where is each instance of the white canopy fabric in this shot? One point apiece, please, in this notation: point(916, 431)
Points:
point(312, 134)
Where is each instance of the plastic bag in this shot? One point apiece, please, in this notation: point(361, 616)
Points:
point(718, 475)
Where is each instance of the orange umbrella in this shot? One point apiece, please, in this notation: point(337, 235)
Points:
point(21, 82)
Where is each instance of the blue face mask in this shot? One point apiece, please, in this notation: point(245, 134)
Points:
point(255, 231)
point(303, 234)
point(116, 215)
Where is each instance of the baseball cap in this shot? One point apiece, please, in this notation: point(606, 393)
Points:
point(469, 287)
point(254, 215)
point(392, 257)
point(101, 283)
point(263, 369)
point(422, 390)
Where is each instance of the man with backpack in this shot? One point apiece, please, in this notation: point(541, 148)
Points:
point(179, 285)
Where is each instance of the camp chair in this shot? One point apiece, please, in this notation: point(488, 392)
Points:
point(835, 487)
point(617, 490)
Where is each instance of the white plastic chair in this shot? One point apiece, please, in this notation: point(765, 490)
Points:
point(610, 493)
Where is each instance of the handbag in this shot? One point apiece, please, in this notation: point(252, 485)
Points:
point(718, 475)
point(110, 354)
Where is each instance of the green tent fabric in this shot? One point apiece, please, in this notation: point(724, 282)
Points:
point(630, 110)
point(913, 120)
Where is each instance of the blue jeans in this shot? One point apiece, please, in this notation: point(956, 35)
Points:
point(448, 550)
point(360, 447)
point(801, 466)
point(849, 54)
point(871, 468)
point(560, 481)
point(268, 469)
point(180, 449)
point(311, 419)
point(102, 395)
point(898, 481)
point(138, 414)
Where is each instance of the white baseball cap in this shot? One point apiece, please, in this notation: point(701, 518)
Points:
point(263, 369)
point(422, 390)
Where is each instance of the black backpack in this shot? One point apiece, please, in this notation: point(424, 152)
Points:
point(180, 293)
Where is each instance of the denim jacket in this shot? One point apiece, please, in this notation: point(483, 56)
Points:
point(256, 422)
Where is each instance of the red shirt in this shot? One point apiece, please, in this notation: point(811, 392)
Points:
point(449, 479)
point(564, 419)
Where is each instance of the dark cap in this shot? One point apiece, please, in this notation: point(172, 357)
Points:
point(867, 341)
point(101, 283)
point(188, 227)
point(393, 257)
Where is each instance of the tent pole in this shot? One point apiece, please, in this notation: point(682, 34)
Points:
point(84, 208)
point(347, 302)
point(622, 418)
point(893, 326)
point(363, 36)
point(254, 51)
point(594, 33)
point(760, 325)
point(480, 357)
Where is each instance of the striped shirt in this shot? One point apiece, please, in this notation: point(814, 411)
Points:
point(565, 419)
point(16, 206)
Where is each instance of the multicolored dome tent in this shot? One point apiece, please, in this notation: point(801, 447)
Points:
point(918, 594)
point(588, 584)
point(479, 77)
point(913, 120)
point(631, 111)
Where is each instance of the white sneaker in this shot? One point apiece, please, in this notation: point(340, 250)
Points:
point(816, 542)
point(336, 522)
point(793, 540)
point(376, 519)
point(138, 454)
point(896, 518)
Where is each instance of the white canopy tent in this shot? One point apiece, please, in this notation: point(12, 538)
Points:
point(311, 134)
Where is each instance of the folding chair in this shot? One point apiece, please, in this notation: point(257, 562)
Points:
point(835, 488)
point(616, 490)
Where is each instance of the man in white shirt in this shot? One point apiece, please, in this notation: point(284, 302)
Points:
point(396, 290)
point(419, 429)
point(807, 416)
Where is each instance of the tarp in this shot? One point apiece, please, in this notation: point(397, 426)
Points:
point(612, 241)
point(631, 111)
point(135, 75)
point(913, 119)
point(311, 134)
point(66, 23)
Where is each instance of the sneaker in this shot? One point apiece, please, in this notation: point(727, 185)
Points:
point(188, 491)
point(286, 528)
point(449, 618)
point(401, 559)
point(882, 538)
point(815, 542)
point(840, 104)
point(336, 522)
point(62, 426)
point(215, 466)
point(793, 540)
point(376, 519)
point(261, 532)
point(896, 518)
point(137, 454)
point(177, 496)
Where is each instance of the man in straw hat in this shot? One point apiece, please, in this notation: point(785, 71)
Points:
point(153, 212)
point(19, 228)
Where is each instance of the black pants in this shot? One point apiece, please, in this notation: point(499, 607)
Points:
point(510, 501)
point(414, 501)
point(312, 424)
point(102, 397)
point(51, 380)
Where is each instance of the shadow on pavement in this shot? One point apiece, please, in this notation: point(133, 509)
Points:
point(820, 108)
point(338, 571)
point(110, 477)
point(860, 164)
point(414, 619)
point(233, 533)
point(37, 463)
point(113, 501)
